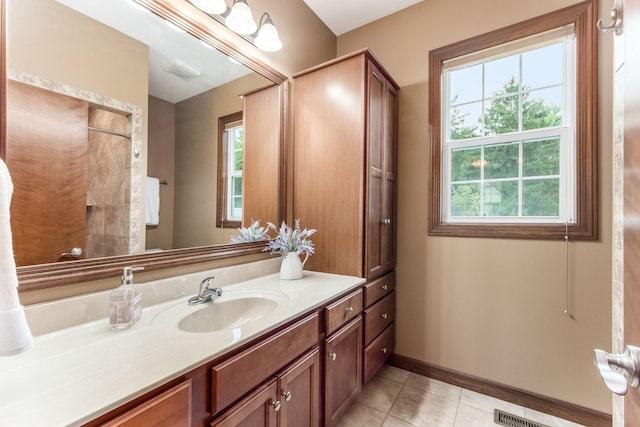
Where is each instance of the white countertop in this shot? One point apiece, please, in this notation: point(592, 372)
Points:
point(76, 374)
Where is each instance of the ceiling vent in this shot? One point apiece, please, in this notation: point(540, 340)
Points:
point(181, 69)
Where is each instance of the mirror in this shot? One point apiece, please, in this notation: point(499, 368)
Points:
point(113, 82)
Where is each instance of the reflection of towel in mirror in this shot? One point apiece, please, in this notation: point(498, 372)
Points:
point(153, 201)
point(15, 336)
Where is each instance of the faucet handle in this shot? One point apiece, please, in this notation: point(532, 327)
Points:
point(206, 283)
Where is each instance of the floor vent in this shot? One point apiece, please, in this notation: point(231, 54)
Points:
point(510, 420)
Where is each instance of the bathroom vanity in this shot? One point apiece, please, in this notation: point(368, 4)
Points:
point(277, 351)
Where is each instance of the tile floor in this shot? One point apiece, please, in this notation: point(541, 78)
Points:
point(399, 398)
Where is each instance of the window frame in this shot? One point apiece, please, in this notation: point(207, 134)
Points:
point(585, 227)
point(222, 218)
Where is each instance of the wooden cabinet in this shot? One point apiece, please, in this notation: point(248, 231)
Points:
point(379, 326)
point(259, 409)
point(345, 164)
point(171, 408)
point(343, 370)
point(292, 399)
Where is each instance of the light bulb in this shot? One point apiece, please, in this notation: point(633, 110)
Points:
point(267, 38)
point(240, 20)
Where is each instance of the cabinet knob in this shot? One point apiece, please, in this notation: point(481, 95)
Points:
point(386, 221)
point(287, 395)
point(384, 315)
point(333, 356)
point(384, 350)
point(349, 310)
point(385, 287)
point(275, 404)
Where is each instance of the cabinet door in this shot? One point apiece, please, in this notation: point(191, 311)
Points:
point(381, 174)
point(343, 370)
point(388, 241)
point(171, 408)
point(300, 392)
point(259, 409)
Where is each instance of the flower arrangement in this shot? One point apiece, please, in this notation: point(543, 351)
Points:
point(253, 233)
point(290, 240)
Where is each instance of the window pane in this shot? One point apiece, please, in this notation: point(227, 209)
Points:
point(237, 160)
point(465, 200)
point(499, 73)
point(501, 198)
point(237, 203)
point(502, 116)
point(541, 108)
point(465, 121)
point(543, 66)
point(541, 157)
point(466, 84)
point(541, 197)
point(237, 186)
point(465, 164)
point(501, 161)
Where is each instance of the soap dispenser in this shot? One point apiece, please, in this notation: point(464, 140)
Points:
point(126, 301)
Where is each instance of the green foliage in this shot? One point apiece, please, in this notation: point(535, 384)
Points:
point(540, 197)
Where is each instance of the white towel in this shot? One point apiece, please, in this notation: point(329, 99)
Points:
point(15, 336)
point(153, 201)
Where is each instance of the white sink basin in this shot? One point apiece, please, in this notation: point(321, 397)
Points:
point(232, 310)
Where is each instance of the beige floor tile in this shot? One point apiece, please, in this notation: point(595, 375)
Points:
point(548, 420)
point(488, 404)
point(380, 394)
point(395, 422)
point(424, 409)
point(436, 387)
point(468, 416)
point(394, 374)
point(361, 416)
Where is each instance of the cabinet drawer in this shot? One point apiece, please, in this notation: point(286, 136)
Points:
point(376, 353)
point(171, 408)
point(342, 311)
point(241, 373)
point(379, 316)
point(378, 288)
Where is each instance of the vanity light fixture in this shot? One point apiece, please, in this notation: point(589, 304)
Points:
point(267, 38)
point(239, 19)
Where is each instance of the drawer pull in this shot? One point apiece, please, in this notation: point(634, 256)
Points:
point(286, 395)
point(349, 310)
point(275, 405)
point(333, 356)
point(385, 287)
point(384, 350)
point(384, 315)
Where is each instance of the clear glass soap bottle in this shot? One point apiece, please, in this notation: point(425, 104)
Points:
point(125, 307)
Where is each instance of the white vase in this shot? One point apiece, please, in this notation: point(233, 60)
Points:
point(291, 267)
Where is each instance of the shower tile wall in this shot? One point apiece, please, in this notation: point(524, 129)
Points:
point(108, 186)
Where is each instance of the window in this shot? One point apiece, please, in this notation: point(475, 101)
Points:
point(513, 131)
point(230, 163)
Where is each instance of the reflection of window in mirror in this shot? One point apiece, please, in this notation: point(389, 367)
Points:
point(230, 160)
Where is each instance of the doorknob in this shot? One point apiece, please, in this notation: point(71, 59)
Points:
point(619, 370)
point(74, 253)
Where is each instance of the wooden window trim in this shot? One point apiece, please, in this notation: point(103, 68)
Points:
point(583, 16)
point(221, 205)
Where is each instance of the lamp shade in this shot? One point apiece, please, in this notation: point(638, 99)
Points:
point(267, 38)
point(240, 20)
point(214, 7)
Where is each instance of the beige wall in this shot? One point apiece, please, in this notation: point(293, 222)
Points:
point(491, 308)
point(196, 161)
point(162, 138)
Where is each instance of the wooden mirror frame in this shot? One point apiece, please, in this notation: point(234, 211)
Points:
point(205, 28)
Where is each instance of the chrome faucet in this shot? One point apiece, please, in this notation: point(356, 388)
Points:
point(207, 293)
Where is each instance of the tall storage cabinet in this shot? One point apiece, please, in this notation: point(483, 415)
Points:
point(345, 115)
point(344, 185)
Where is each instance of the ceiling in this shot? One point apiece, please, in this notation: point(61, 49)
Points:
point(166, 45)
point(342, 16)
